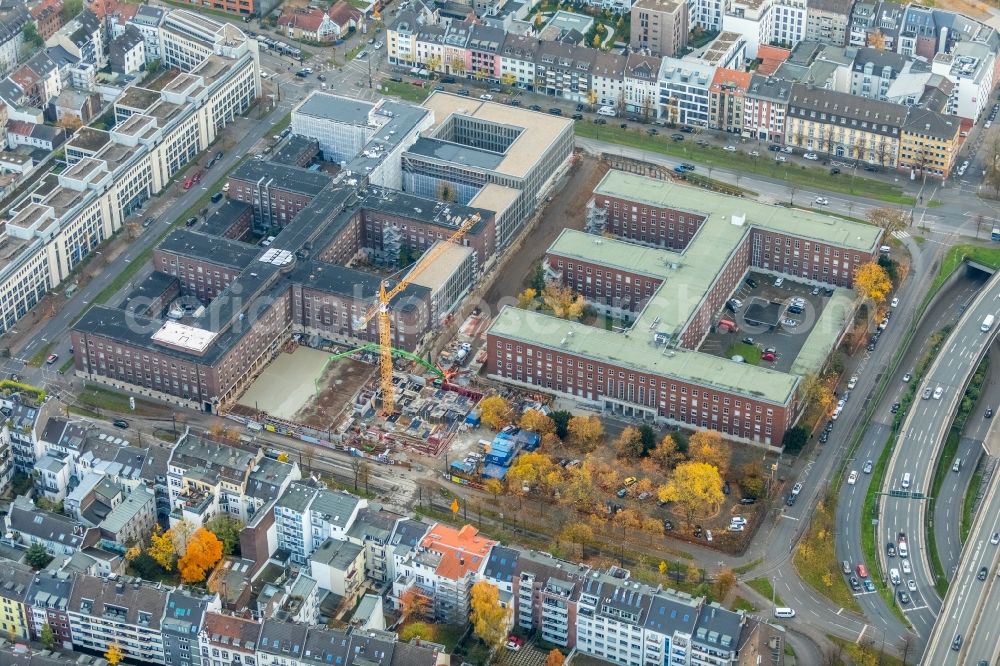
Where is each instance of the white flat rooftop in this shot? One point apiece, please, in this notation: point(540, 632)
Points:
point(184, 337)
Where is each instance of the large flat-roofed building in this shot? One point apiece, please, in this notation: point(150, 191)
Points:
point(488, 155)
point(66, 216)
point(240, 302)
point(365, 138)
point(682, 251)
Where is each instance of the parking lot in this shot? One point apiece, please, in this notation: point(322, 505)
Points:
point(765, 323)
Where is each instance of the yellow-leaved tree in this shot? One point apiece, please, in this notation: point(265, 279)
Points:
point(695, 487)
point(494, 411)
point(585, 432)
point(532, 419)
point(563, 302)
point(707, 446)
point(871, 281)
point(114, 655)
point(489, 619)
point(526, 299)
point(889, 219)
point(161, 549)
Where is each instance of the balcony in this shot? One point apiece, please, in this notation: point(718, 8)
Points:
point(195, 501)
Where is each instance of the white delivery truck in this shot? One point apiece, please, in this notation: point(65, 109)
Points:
point(987, 323)
point(607, 111)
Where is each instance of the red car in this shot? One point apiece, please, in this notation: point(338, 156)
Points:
point(52, 358)
point(514, 643)
point(769, 356)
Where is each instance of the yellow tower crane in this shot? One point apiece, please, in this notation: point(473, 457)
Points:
point(381, 308)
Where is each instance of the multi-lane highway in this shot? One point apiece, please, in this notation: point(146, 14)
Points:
point(911, 468)
point(972, 606)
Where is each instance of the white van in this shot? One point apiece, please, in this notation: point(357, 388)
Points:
point(784, 612)
point(894, 576)
point(906, 480)
point(607, 111)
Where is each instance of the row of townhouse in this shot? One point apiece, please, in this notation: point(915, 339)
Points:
point(155, 624)
point(922, 136)
point(54, 227)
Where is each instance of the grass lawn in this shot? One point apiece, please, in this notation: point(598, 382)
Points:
point(39, 356)
point(969, 503)
point(65, 367)
point(763, 587)
point(866, 654)
point(740, 161)
point(743, 568)
point(406, 91)
point(990, 256)
point(741, 604)
point(816, 559)
point(98, 397)
point(750, 353)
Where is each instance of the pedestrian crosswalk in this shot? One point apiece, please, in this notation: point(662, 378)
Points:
point(900, 234)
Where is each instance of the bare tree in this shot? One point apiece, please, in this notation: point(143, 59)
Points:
point(907, 645)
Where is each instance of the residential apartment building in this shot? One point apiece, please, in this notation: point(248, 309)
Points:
point(727, 99)
point(844, 125)
point(208, 478)
point(765, 106)
point(48, 603)
point(641, 94)
point(444, 567)
point(683, 94)
point(106, 611)
point(183, 617)
point(305, 516)
point(827, 21)
point(929, 143)
point(659, 26)
point(54, 229)
point(12, 20)
point(971, 67)
point(14, 589)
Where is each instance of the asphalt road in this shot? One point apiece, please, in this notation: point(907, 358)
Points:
point(946, 309)
point(918, 448)
point(948, 507)
point(972, 607)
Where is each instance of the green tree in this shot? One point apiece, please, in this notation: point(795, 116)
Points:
point(561, 419)
point(70, 10)
point(37, 557)
point(47, 636)
point(795, 439)
point(31, 36)
point(227, 529)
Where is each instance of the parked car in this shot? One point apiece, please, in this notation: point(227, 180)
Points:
point(52, 358)
point(810, 156)
point(730, 149)
point(120, 423)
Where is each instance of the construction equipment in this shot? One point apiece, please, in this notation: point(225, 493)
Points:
point(381, 308)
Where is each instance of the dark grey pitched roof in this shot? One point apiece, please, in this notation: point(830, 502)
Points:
point(502, 564)
point(282, 638)
point(718, 627)
point(183, 614)
point(843, 107)
point(927, 122)
point(283, 176)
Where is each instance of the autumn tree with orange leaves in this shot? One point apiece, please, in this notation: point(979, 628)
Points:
point(203, 552)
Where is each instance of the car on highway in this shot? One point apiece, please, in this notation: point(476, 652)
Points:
point(895, 303)
point(52, 358)
point(988, 414)
point(938, 392)
point(869, 586)
point(861, 570)
point(907, 377)
point(995, 539)
point(911, 585)
point(956, 643)
point(853, 478)
point(890, 549)
point(855, 585)
point(810, 156)
point(982, 573)
point(903, 549)
point(822, 201)
point(926, 394)
point(120, 423)
point(867, 469)
point(907, 569)
point(904, 598)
